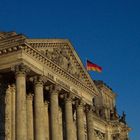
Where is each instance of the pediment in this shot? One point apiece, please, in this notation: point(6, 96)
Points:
point(62, 53)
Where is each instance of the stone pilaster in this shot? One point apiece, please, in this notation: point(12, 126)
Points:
point(68, 117)
point(54, 108)
point(46, 121)
point(8, 114)
point(38, 109)
point(21, 120)
point(90, 127)
point(108, 136)
point(30, 134)
point(80, 120)
point(13, 110)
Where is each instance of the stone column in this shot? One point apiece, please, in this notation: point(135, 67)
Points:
point(90, 127)
point(30, 134)
point(60, 124)
point(68, 117)
point(8, 114)
point(54, 106)
point(13, 111)
point(80, 120)
point(74, 125)
point(74, 130)
point(38, 108)
point(46, 121)
point(21, 120)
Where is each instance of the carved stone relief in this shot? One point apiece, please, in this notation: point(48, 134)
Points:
point(99, 135)
point(115, 137)
point(59, 55)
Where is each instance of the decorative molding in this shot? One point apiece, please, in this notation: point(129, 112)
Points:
point(63, 84)
point(55, 89)
point(79, 103)
point(99, 134)
point(12, 42)
point(38, 80)
point(20, 69)
point(68, 97)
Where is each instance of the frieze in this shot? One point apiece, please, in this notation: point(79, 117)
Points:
point(62, 83)
point(74, 91)
point(50, 76)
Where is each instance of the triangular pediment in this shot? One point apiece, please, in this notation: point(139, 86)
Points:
point(62, 53)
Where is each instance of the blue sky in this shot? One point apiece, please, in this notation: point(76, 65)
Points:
point(106, 32)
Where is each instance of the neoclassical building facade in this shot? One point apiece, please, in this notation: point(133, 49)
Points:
point(47, 94)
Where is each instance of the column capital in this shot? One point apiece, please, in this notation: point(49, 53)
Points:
point(79, 103)
point(29, 96)
point(38, 79)
point(55, 89)
point(88, 108)
point(68, 96)
point(20, 69)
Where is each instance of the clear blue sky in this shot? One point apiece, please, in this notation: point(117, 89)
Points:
point(105, 31)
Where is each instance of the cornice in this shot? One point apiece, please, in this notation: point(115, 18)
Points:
point(10, 49)
point(12, 41)
point(79, 62)
point(51, 41)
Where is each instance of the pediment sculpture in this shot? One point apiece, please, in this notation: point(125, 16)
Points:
point(61, 57)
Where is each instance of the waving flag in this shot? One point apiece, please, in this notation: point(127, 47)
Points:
point(92, 66)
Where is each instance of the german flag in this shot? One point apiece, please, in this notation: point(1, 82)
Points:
point(92, 66)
